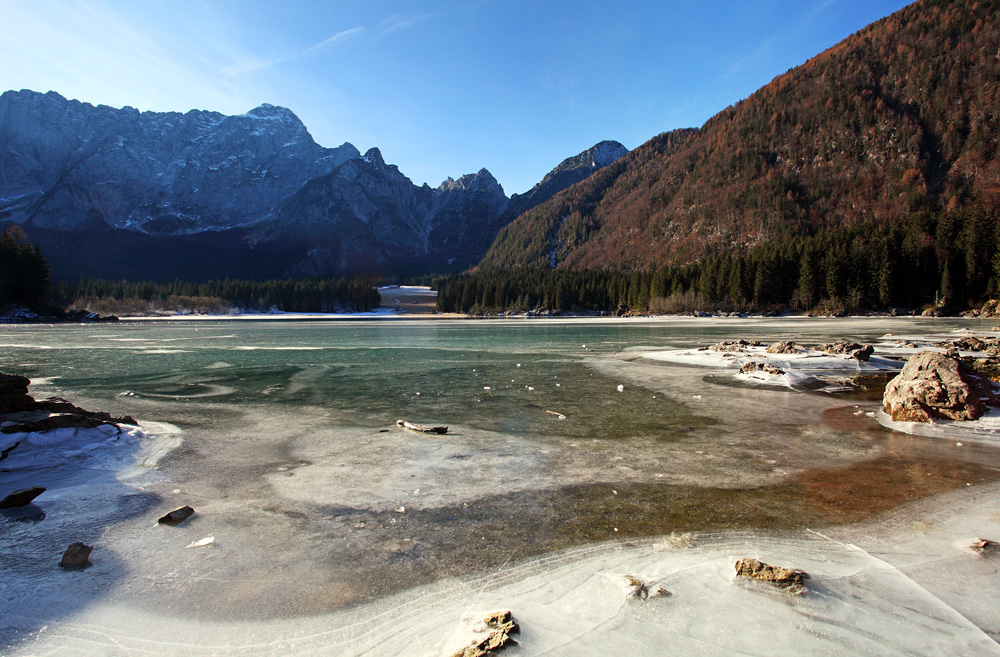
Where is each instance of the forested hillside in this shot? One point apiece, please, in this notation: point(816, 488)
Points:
point(899, 118)
point(947, 259)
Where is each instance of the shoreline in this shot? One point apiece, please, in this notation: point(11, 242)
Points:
point(397, 316)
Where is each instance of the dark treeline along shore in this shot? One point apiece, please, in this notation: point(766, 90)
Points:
point(24, 273)
point(24, 283)
point(948, 260)
point(303, 295)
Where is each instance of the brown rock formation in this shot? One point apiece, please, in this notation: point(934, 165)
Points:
point(758, 366)
point(785, 578)
point(502, 624)
point(783, 347)
point(930, 387)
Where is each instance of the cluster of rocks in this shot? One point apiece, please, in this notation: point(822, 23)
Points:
point(758, 366)
point(640, 590)
point(735, 345)
point(860, 352)
point(21, 413)
point(25, 316)
point(934, 386)
point(990, 309)
point(971, 343)
point(83, 316)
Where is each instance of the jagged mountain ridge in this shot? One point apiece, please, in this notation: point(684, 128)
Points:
point(901, 116)
point(66, 164)
point(298, 208)
point(366, 215)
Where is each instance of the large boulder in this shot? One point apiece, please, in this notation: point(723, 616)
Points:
point(931, 387)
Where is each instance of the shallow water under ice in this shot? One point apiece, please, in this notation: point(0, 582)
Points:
point(325, 514)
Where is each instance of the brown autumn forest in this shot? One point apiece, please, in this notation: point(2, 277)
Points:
point(899, 118)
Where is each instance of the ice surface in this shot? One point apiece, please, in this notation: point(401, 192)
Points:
point(985, 429)
point(297, 476)
point(900, 594)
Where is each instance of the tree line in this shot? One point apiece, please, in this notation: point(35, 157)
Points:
point(950, 259)
point(307, 295)
point(24, 273)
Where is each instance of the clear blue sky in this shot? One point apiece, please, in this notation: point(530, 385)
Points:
point(442, 87)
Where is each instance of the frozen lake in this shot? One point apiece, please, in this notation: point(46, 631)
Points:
point(320, 506)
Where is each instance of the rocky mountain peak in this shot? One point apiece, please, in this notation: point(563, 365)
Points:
point(482, 180)
point(374, 156)
point(268, 112)
point(64, 163)
point(568, 172)
point(606, 152)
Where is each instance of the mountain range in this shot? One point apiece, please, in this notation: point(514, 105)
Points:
point(250, 195)
point(900, 118)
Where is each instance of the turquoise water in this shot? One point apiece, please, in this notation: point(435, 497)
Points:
point(368, 373)
point(371, 372)
point(292, 458)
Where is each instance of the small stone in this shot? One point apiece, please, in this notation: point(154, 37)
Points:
point(502, 624)
point(636, 588)
point(785, 578)
point(76, 555)
point(177, 516)
point(22, 497)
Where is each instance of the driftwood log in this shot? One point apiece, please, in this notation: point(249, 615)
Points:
point(421, 428)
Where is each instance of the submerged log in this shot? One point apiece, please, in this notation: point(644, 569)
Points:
point(421, 428)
